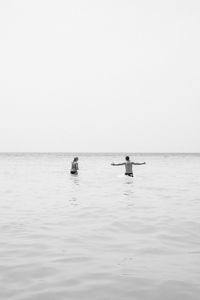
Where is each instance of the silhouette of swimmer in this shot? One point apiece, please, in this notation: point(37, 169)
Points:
point(128, 166)
point(74, 167)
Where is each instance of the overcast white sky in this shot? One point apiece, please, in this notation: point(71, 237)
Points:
point(86, 75)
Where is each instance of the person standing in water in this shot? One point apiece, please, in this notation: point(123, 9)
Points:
point(74, 167)
point(128, 166)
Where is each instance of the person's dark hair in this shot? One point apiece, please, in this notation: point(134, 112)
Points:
point(127, 158)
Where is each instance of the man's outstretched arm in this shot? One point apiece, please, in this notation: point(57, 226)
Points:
point(117, 164)
point(133, 163)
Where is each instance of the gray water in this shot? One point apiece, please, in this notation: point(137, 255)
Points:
point(99, 235)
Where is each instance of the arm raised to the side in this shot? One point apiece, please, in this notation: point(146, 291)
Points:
point(137, 164)
point(117, 164)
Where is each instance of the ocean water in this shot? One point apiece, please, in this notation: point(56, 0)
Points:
point(99, 235)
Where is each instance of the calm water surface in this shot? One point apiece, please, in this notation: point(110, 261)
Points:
point(99, 235)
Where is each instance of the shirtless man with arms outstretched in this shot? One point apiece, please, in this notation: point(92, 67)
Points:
point(128, 166)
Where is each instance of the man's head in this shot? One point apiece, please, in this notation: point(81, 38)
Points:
point(127, 158)
point(75, 158)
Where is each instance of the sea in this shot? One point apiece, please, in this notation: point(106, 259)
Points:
point(99, 235)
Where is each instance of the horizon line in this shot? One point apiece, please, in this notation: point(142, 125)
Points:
point(93, 152)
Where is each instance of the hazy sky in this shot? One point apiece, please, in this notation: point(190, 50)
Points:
point(121, 75)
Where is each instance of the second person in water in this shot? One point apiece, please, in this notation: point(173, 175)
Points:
point(128, 166)
point(74, 167)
